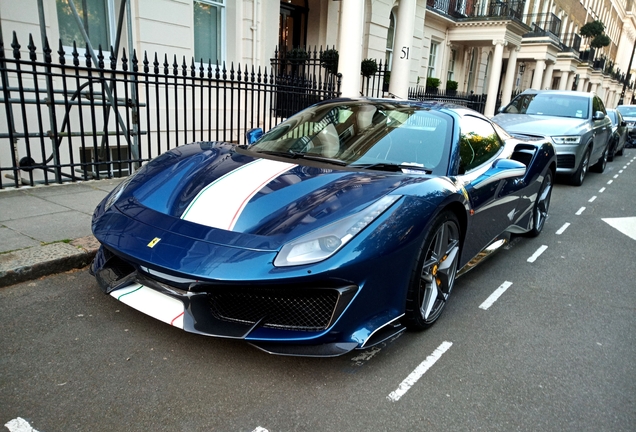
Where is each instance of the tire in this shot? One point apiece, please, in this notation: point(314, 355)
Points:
point(599, 166)
point(612, 150)
point(434, 273)
point(541, 205)
point(578, 177)
point(621, 151)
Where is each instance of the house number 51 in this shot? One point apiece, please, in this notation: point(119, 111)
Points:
point(405, 53)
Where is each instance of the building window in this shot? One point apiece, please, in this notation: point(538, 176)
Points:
point(432, 59)
point(95, 16)
point(451, 65)
point(209, 16)
point(390, 37)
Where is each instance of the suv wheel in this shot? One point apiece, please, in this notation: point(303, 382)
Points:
point(599, 166)
point(579, 175)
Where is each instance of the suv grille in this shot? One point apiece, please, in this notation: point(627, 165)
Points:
point(297, 309)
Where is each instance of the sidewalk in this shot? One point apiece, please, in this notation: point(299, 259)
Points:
point(47, 229)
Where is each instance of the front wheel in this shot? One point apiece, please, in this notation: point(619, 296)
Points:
point(541, 206)
point(579, 175)
point(599, 166)
point(434, 273)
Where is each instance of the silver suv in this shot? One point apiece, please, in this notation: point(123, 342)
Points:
point(576, 122)
point(629, 114)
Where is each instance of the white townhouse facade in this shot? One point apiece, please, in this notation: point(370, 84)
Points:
point(487, 46)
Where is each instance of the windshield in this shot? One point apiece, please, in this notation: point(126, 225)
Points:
point(550, 104)
point(627, 111)
point(374, 135)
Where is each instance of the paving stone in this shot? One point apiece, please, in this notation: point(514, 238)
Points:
point(57, 189)
point(25, 206)
point(11, 240)
point(53, 227)
point(84, 201)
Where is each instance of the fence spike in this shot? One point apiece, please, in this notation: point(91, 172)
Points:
point(32, 48)
point(239, 74)
point(16, 47)
point(124, 59)
point(217, 72)
point(193, 69)
point(75, 55)
point(209, 69)
point(135, 61)
point(232, 71)
point(47, 51)
point(146, 62)
point(87, 56)
point(224, 71)
point(61, 53)
point(184, 67)
point(201, 68)
point(100, 56)
point(253, 75)
point(175, 66)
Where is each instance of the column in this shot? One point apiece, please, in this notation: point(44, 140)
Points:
point(570, 83)
point(594, 86)
point(565, 78)
point(538, 75)
point(403, 47)
point(495, 76)
point(350, 47)
point(547, 77)
point(511, 74)
point(581, 84)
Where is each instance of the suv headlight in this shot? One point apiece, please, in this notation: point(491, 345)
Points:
point(568, 139)
point(320, 244)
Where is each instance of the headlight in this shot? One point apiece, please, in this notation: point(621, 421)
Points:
point(116, 193)
point(568, 139)
point(324, 242)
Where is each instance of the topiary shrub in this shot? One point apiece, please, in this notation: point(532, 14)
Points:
point(368, 67)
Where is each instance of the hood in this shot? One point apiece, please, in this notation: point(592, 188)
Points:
point(220, 187)
point(541, 125)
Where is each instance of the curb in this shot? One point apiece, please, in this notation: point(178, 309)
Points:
point(32, 263)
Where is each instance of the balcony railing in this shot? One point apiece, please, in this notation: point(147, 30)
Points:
point(462, 9)
point(543, 23)
point(572, 42)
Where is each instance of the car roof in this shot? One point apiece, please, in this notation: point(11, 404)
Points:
point(560, 92)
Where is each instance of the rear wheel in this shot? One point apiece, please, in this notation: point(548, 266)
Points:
point(612, 150)
point(434, 274)
point(579, 175)
point(541, 206)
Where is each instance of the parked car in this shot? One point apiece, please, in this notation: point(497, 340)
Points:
point(629, 114)
point(576, 122)
point(342, 226)
point(618, 141)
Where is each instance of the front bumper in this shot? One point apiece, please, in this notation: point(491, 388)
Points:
point(568, 157)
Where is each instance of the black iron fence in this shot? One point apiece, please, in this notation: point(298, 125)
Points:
point(71, 116)
point(469, 100)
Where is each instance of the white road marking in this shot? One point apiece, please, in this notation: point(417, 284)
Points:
point(615, 175)
point(601, 190)
point(592, 199)
point(19, 425)
point(626, 225)
point(563, 228)
point(620, 171)
point(610, 182)
point(537, 254)
point(495, 295)
point(414, 376)
point(581, 210)
point(260, 429)
point(625, 167)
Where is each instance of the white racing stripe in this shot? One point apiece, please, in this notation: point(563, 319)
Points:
point(414, 376)
point(495, 295)
point(220, 203)
point(19, 425)
point(152, 303)
point(537, 254)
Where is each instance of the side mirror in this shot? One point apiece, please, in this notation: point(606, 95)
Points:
point(253, 135)
point(598, 115)
point(501, 169)
point(501, 109)
point(623, 124)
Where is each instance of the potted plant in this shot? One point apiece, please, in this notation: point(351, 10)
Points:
point(451, 87)
point(368, 67)
point(432, 84)
point(297, 56)
point(329, 60)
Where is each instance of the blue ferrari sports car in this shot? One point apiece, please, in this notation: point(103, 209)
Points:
point(337, 229)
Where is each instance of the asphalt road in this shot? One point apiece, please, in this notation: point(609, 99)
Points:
point(555, 352)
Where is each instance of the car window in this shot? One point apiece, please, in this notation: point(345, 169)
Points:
point(627, 110)
point(597, 105)
point(478, 143)
point(550, 104)
point(612, 116)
